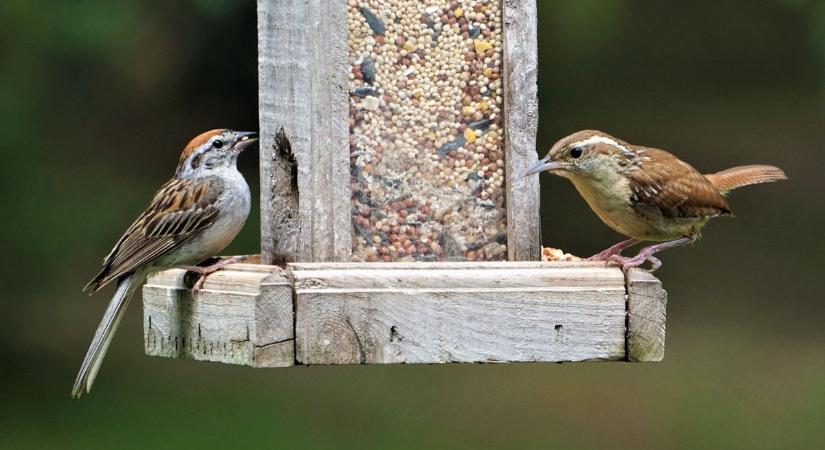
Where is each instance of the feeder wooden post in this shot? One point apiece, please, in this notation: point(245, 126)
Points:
point(521, 121)
point(304, 104)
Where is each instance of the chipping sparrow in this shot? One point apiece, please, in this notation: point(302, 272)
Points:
point(192, 217)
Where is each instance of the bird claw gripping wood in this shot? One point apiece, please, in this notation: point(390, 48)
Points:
point(210, 269)
point(636, 261)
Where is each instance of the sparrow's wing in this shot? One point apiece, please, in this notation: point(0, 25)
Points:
point(180, 209)
point(663, 184)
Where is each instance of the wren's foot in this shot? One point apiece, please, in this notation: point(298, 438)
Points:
point(205, 271)
point(636, 261)
point(646, 254)
point(606, 254)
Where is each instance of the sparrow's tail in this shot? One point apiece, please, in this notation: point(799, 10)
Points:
point(736, 177)
point(104, 334)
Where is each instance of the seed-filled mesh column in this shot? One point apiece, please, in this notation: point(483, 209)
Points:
point(426, 141)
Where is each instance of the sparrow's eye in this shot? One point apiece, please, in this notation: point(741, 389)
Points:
point(576, 152)
point(217, 143)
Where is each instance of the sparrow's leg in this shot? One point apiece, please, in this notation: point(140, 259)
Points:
point(646, 254)
point(204, 271)
point(605, 255)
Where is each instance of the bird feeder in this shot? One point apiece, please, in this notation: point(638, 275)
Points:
point(393, 139)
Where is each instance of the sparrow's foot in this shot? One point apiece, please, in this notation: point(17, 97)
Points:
point(210, 269)
point(606, 254)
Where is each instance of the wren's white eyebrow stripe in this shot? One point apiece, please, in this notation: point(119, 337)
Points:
point(602, 140)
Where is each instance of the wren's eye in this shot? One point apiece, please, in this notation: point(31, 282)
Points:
point(576, 152)
point(217, 143)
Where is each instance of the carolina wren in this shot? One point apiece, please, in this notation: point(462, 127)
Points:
point(645, 193)
point(192, 217)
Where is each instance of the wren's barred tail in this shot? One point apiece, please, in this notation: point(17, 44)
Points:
point(736, 177)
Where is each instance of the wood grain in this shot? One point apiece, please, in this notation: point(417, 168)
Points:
point(302, 70)
point(243, 315)
point(482, 312)
point(646, 314)
point(349, 313)
point(520, 124)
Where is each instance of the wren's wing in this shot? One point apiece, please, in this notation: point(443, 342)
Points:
point(180, 209)
point(664, 184)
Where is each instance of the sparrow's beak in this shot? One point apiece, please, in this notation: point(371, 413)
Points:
point(244, 139)
point(542, 165)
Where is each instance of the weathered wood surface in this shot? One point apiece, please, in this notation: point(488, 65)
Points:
point(458, 312)
point(408, 312)
point(243, 315)
point(302, 76)
point(520, 124)
point(646, 309)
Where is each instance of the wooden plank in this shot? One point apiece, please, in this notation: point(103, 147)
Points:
point(302, 67)
point(420, 265)
point(482, 312)
point(646, 313)
point(520, 124)
point(243, 315)
point(408, 313)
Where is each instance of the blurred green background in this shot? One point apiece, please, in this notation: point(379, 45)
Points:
point(97, 98)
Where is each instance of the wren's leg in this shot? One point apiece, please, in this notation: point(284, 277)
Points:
point(204, 271)
point(646, 254)
point(605, 255)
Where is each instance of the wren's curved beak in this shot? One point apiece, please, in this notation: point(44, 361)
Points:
point(542, 165)
point(244, 139)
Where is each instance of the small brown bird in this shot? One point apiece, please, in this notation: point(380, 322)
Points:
point(645, 193)
point(192, 217)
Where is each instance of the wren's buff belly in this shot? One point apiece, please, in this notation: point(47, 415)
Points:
point(617, 212)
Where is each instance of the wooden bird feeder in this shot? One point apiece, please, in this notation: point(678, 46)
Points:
point(393, 139)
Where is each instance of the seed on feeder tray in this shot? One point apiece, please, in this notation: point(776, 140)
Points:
point(554, 254)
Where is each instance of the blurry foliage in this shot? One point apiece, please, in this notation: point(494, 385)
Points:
point(106, 87)
point(814, 13)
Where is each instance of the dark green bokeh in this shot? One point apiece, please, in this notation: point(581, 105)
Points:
point(97, 97)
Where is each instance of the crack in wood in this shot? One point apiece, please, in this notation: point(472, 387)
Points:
point(270, 344)
point(360, 346)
